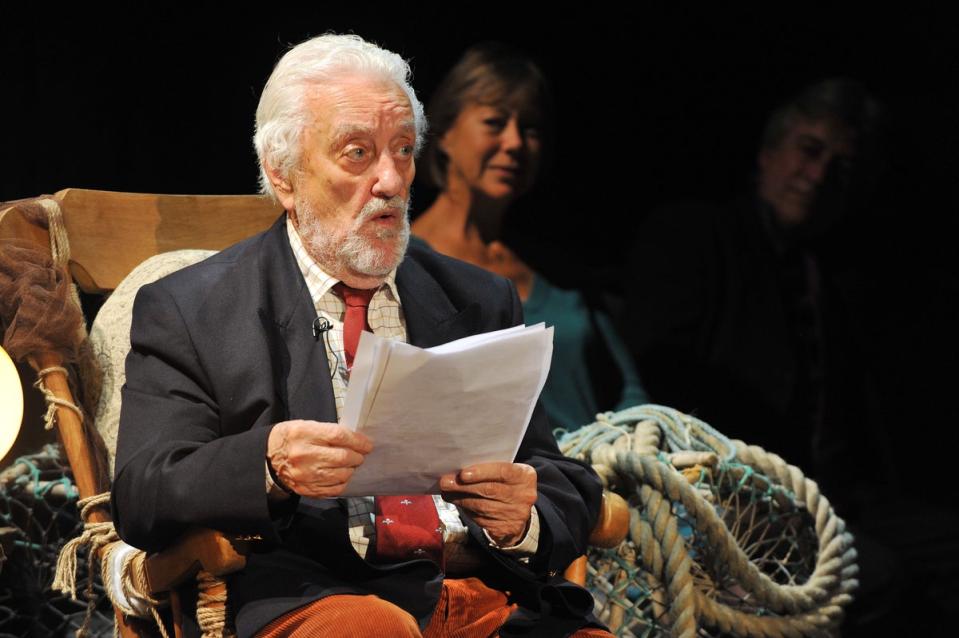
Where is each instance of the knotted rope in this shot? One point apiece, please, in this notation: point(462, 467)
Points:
point(682, 535)
point(50, 416)
point(94, 537)
point(211, 607)
point(101, 540)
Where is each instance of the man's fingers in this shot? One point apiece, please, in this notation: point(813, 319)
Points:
point(315, 459)
point(320, 482)
point(489, 493)
point(504, 522)
point(485, 508)
point(329, 477)
point(334, 435)
point(487, 490)
point(496, 472)
point(335, 457)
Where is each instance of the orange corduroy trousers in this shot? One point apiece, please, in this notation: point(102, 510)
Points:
point(467, 609)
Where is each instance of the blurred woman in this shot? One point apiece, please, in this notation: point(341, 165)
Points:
point(490, 123)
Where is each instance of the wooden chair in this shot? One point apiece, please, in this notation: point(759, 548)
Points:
point(101, 237)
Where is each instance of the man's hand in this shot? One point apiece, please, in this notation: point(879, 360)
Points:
point(315, 459)
point(498, 496)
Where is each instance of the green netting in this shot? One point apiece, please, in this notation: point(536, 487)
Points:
point(726, 540)
point(38, 514)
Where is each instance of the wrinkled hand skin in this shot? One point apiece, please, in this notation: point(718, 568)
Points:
point(497, 496)
point(315, 459)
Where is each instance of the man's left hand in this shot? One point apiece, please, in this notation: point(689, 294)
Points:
point(497, 496)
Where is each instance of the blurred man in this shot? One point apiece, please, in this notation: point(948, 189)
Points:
point(730, 316)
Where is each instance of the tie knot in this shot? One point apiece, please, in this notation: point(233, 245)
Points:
point(354, 297)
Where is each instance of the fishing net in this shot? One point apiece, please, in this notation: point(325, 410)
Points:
point(38, 514)
point(725, 538)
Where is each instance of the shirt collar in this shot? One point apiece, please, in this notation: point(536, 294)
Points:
point(318, 280)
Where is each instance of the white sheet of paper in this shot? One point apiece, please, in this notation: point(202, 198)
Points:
point(434, 411)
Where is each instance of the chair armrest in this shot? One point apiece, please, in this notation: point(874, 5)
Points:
point(199, 549)
point(610, 531)
point(613, 523)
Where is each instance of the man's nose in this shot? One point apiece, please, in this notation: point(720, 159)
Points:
point(389, 179)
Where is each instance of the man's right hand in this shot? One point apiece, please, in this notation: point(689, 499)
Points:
point(315, 459)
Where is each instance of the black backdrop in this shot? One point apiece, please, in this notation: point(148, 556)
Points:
point(653, 105)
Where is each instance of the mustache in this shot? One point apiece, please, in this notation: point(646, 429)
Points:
point(376, 207)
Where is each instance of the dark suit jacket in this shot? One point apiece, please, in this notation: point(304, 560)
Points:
point(224, 349)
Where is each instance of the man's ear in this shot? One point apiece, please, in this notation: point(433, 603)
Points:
point(282, 186)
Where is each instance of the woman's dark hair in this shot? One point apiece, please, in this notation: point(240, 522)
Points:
point(488, 73)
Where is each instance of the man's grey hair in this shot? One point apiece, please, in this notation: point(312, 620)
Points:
point(283, 112)
point(843, 100)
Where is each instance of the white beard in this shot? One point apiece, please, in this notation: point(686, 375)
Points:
point(351, 251)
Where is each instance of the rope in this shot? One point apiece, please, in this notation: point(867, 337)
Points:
point(59, 242)
point(673, 511)
point(101, 540)
point(90, 375)
point(132, 583)
point(677, 564)
point(94, 537)
point(49, 418)
point(211, 606)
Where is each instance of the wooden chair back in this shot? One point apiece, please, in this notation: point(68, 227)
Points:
point(110, 233)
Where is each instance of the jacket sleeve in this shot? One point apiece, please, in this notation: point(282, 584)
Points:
point(175, 466)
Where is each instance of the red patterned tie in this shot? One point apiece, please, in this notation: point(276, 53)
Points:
point(407, 527)
point(354, 322)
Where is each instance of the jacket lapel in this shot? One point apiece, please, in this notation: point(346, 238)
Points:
point(431, 318)
point(300, 368)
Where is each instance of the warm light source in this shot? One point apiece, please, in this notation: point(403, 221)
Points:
point(11, 403)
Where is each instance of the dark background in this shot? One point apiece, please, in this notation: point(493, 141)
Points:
point(653, 106)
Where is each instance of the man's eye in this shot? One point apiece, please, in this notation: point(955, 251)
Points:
point(356, 153)
point(497, 123)
point(406, 150)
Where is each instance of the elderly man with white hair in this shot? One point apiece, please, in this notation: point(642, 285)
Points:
point(239, 367)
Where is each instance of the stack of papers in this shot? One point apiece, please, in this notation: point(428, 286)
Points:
point(434, 411)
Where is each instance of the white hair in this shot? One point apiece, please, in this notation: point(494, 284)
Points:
point(282, 113)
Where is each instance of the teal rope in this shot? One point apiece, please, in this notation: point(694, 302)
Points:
point(33, 474)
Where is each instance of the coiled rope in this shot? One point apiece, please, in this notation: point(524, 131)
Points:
point(626, 449)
